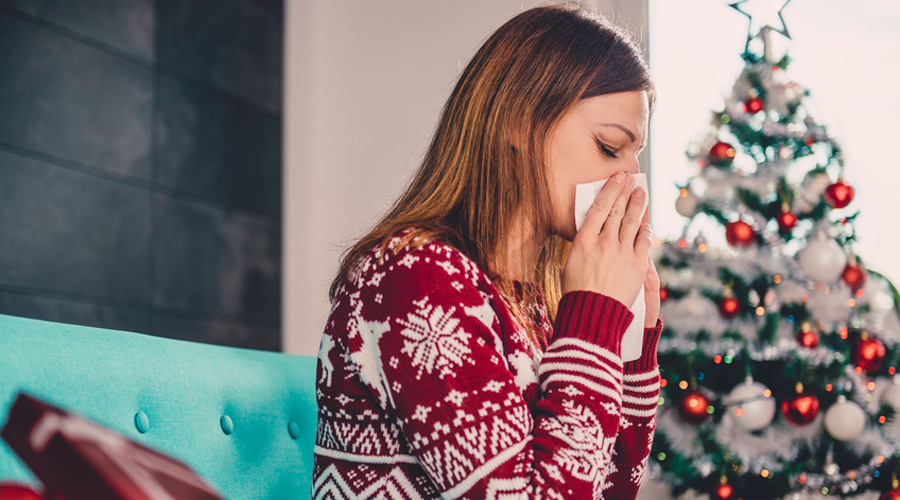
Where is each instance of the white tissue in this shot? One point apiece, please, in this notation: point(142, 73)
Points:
point(585, 194)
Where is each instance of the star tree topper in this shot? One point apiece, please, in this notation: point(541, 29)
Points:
point(764, 16)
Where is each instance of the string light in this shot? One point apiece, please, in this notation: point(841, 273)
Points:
point(717, 359)
point(828, 387)
point(777, 279)
point(683, 385)
point(871, 385)
point(764, 473)
point(760, 311)
point(663, 383)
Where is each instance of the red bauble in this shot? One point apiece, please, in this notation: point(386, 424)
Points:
point(739, 233)
point(801, 409)
point(839, 194)
point(724, 491)
point(787, 221)
point(754, 105)
point(808, 339)
point(891, 495)
point(721, 154)
point(729, 307)
point(13, 491)
point(854, 276)
point(693, 408)
point(869, 354)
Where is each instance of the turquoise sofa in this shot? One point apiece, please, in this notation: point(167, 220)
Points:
point(244, 420)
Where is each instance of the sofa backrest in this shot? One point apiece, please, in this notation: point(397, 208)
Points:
point(244, 420)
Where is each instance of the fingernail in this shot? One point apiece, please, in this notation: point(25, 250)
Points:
point(639, 193)
point(618, 178)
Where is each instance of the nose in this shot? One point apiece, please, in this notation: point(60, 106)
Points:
point(633, 166)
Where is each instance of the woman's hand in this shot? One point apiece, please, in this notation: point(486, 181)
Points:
point(610, 253)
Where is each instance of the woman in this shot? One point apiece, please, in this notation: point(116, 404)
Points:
point(471, 350)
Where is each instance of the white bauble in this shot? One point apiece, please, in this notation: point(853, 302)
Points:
point(686, 204)
point(757, 408)
point(845, 420)
point(822, 260)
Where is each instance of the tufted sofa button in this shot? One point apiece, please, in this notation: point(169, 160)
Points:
point(141, 422)
point(294, 430)
point(227, 424)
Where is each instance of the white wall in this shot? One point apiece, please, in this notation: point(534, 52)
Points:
point(364, 84)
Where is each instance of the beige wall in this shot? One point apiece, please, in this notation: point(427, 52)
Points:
point(364, 84)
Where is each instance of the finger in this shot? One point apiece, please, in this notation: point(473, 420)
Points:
point(614, 220)
point(643, 240)
point(602, 204)
point(651, 279)
point(631, 222)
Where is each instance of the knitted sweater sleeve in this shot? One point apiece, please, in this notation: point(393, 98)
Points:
point(430, 349)
point(640, 395)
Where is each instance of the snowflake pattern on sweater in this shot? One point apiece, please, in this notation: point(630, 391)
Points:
point(428, 388)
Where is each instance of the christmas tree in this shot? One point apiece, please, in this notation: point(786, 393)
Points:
point(779, 356)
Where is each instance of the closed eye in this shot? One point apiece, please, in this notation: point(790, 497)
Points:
point(606, 149)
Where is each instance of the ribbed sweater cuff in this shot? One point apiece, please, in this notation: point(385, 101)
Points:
point(593, 317)
point(648, 360)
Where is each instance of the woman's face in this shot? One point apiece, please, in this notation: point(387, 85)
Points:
point(599, 137)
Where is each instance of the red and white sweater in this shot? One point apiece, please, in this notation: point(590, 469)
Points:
point(428, 388)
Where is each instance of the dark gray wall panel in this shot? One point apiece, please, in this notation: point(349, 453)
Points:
point(71, 232)
point(125, 25)
point(218, 148)
point(75, 311)
point(140, 196)
point(234, 45)
point(217, 262)
point(214, 331)
point(73, 101)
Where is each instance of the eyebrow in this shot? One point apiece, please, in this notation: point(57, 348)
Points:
point(623, 129)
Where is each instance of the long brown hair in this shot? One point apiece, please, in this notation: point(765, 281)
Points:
point(486, 162)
